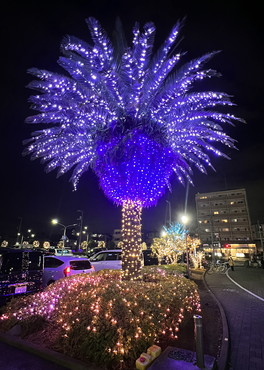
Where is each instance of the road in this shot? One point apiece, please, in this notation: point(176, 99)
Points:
point(244, 309)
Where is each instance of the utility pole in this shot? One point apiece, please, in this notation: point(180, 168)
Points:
point(19, 230)
point(260, 231)
point(212, 238)
point(81, 227)
point(169, 213)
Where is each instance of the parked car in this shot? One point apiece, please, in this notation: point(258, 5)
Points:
point(21, 272)
point(107, 259)
point(60, 266)
point(94, 251)
point(111, 259)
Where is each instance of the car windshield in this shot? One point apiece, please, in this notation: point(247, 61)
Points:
point(113, 256)
point(98, 257)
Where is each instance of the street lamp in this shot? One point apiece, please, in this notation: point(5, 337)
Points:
point(81, 226)
point(169, 213)
point(55, 221)
point(185, 220)
point(19, 230)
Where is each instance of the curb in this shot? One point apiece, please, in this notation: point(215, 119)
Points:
point(224, 352)
point(46, 354)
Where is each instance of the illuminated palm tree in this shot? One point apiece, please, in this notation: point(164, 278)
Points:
point(130, 115)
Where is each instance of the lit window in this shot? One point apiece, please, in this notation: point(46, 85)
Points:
point(224, 220)
point(216, 212)
point(207, 230)
point(225, 229)
point(232, 202)
point(240, 255)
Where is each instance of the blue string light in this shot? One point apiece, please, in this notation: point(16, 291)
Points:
point(135, 122)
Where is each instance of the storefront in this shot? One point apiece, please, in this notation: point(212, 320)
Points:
point(237, 251)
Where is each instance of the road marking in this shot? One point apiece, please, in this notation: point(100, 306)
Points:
point(240, 286)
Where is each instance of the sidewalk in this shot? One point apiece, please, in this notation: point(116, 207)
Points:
point(244, 313)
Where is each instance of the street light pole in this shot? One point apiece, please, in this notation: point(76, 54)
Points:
point(260, 236)
point(19, 229)
point(185, 220)
point(81, 226)
point(64, 237)
point(169, 213)
point(187, 255)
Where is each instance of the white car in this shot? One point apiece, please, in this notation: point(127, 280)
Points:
point(57, 267)
point(107, 259)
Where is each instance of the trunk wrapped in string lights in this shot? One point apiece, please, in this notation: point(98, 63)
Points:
point(131, 237)
point(130, 114)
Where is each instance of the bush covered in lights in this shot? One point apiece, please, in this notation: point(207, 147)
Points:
point(101, 319)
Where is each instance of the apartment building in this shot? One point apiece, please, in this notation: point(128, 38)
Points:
point(224, 220)
point(117, 236)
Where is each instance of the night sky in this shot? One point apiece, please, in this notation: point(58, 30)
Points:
point(31, 33)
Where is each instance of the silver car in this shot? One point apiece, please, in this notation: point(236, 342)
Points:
point(107, 259)
point(57, 267)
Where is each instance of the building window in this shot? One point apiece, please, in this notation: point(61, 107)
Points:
point(216, 212)
point(225, 229)
point(224, 220)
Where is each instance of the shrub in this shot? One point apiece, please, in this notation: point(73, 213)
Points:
point(111, 322)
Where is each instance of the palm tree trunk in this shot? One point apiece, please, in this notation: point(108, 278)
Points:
point(131, 238)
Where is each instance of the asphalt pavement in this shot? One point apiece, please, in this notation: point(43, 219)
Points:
point(13, 358)
point(241, 294)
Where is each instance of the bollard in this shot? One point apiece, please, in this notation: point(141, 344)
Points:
point(198, 331)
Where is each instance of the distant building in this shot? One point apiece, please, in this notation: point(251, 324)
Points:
point(258, 236)
point(117, 236)
point(224, 221)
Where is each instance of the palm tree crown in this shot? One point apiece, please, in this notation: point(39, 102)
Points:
point(128, 113)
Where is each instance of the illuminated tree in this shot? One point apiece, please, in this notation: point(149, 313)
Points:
point(131, 116)
point(36, 244)
point(84, 245)
point(197, 259)
point(171, 244)
point(101, 244)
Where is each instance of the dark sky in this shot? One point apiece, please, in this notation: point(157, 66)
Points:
point(31, 33)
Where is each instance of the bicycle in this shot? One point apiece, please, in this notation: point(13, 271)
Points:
point(218, 268)
point(223, 267)
point(212, 269)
